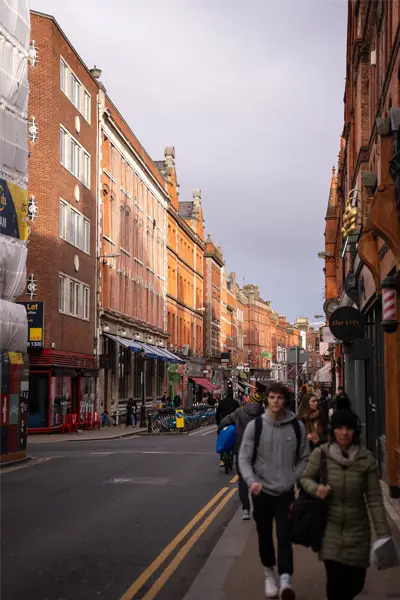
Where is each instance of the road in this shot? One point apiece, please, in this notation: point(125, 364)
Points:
point(88, 519)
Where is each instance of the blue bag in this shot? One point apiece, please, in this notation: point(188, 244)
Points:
point(226, 439)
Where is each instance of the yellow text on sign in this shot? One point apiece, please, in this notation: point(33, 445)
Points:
point(180, 418)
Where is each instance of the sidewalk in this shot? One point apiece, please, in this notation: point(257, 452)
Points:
point(105, 433)
point(234, 572)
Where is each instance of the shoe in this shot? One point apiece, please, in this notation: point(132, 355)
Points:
point(221, 464)
point(245, 515)
point(271, 589)
point(286, 590)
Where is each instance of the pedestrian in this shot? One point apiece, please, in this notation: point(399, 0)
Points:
point(272, 456)
point(226, 406)
point(135, 411)
point(342, 400)
point(129, 413)
point(314, 419)
point(258, 395)
point(241, 417)
point(177, 401)
point(353, 491)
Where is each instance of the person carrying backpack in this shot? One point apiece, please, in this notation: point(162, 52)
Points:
point(272, 457)
point(240, 418)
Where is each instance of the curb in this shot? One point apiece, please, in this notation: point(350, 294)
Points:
point(210, 582)
point(176, 433)
point(77, 439)
point(12, 463)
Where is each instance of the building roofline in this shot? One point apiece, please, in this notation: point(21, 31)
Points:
point(54, 20)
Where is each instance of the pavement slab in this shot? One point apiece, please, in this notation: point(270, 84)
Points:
point(234, 571)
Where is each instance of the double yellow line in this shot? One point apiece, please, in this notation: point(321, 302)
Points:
point(222, 498)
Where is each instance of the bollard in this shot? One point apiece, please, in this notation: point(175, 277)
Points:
point(149, 424)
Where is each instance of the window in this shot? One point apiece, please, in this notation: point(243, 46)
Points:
point(75, 92)
point(74, 297)
point(86, 106)
point(74, 223)
point(62, 146)
point(63, 76)
point(75, 159)
point(61, 293)
point(74, 227)
point(86, 236)
point(318, 362)
point(310, 348)
point(86, 169)
point(63, 220)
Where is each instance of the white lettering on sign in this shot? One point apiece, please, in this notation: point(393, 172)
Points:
point(3, 222)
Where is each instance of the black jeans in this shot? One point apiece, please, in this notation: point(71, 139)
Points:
point(266, 509)
point(343, 582)
point(243, 489)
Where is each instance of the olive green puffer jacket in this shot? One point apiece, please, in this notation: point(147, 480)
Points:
point(355, 486)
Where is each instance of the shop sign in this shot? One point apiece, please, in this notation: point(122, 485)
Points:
point(13, 210)
point(266, 354)
point(347, 324)
point(35, 313)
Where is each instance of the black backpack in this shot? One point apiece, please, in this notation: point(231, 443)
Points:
point(257, 436)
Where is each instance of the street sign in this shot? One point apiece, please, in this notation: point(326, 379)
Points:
point(180, 418)
point(301, 357)
point(347, 324)
point(35, 314)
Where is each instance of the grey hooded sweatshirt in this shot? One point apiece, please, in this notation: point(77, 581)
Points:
point(276, 466)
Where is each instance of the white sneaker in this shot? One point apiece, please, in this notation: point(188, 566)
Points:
point(271, 589)
point(245, 515)
point(286, 591)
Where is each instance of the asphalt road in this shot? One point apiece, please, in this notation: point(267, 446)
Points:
point(87, 519)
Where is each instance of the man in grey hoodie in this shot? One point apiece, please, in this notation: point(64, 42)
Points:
point(271, 469)
point(241, 417)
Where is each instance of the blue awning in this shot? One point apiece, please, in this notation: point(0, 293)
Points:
point(125, 342)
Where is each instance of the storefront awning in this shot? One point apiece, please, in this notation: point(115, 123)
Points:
point(125, 342)
point(204, 383)
point(246, 384)
point(170, 357)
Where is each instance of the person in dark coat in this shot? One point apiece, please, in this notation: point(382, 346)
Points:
point(129, 413)
point(226, 406)
point(342, 400)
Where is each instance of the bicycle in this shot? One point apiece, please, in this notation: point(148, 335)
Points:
point(227, 458)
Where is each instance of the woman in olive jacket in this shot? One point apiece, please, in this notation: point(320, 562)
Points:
point(352, 490)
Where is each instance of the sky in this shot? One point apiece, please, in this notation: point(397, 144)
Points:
point(250, 94)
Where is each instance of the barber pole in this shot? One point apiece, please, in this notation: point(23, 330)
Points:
point(389, 304)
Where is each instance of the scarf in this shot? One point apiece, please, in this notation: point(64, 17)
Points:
point(312, 422)
point(337, 455)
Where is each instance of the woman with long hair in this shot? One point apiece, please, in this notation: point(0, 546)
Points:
point(314, 419)
point(352, 491)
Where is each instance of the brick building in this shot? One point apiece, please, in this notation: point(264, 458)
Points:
point(361, 254)
point(132, 266)
point(62, 248)
point(185, 252)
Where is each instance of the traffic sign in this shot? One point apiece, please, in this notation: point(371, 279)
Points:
point(180, 418)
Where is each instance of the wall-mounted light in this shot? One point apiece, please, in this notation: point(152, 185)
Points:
point(105, 328)
point(325, 255)
point(389, 304)
point(122, 332)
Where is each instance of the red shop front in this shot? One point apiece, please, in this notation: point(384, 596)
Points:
point(60, 383)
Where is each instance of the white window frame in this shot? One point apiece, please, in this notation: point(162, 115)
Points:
point(74, 157)
point(74, 227)
point(74, 89)
point(75, 301)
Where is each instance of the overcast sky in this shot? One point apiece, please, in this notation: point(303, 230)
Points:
point(250, 93)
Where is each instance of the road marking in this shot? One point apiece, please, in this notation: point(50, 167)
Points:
point(151, 569)
point(31, 463)
point(174, 564)
point(234, 479)
point(212, 431)
point(202, 429)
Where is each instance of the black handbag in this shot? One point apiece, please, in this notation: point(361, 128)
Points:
point(308, 514)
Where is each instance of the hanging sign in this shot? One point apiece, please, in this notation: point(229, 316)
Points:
point(35, 314)
point(347, 324)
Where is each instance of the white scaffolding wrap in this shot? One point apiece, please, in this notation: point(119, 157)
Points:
point(14, 90)
point(13, 254)
point(13, 327)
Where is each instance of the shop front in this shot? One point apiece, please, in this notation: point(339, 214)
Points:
point(60, 384)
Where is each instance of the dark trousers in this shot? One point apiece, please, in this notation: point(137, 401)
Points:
point(243, 489)
point(266, 509)
point(343, 582)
